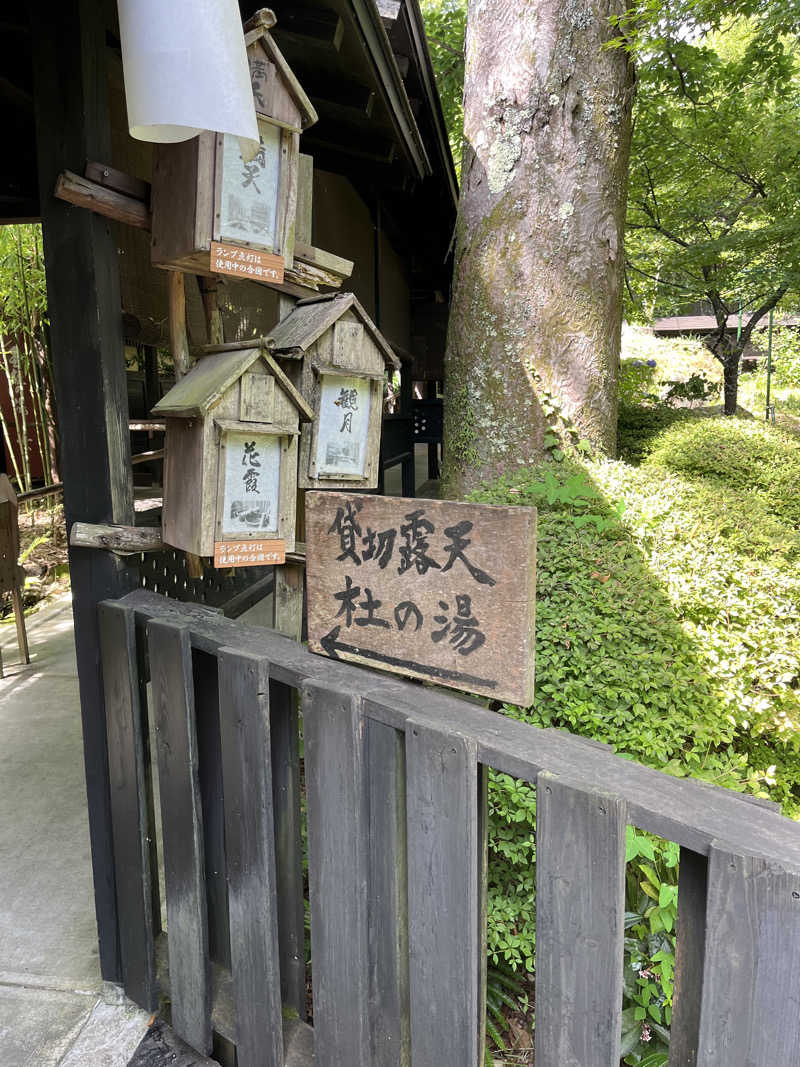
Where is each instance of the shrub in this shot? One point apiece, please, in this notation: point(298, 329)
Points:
point(636, 380)
point(746, 455)
point(667, 625)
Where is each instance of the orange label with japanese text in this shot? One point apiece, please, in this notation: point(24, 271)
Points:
point(246, 263)
point(249, 553)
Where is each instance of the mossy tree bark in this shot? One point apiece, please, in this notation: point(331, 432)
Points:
point(537, 301)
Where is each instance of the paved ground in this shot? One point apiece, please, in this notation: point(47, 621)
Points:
point(54, 1011)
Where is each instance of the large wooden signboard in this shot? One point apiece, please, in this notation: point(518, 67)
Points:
point(429, 589)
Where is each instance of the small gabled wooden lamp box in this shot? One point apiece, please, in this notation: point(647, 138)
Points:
point(230, 455)
point(337, 358)
point(204, 194)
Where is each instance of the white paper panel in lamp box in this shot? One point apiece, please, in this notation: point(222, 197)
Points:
point(337, 358)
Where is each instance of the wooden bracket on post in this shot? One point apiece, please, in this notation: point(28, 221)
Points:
point(124, 540)
point(209, 293)
point(178, 335)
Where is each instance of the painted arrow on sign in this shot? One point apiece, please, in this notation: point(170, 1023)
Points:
point(332, 646)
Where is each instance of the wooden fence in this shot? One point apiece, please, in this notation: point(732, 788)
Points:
point(395, 780)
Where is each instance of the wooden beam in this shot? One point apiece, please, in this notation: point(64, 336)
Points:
point(124, 540)
point(103, 174)
point(155, 425)
point(345, 112)
point(70, 102)
point(309, 276)
point(103, 201)
point(146, 457)
point(315, 26)
point(351, 98)
point(349, 142)
point(313, 268)
point(326, 261)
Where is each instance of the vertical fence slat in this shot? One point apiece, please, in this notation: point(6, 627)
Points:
point(483, 902)
point(143, 670)
point(443, 907)
point(250, 855)
point(388, 898)
point(751, 981)
point(580, 924)
point(285, 745)
point(338, 827)
point(130, 814)
point(182, 828)
point(689, 954)
point(206, 714)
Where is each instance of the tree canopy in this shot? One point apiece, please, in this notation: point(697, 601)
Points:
point(714, 181)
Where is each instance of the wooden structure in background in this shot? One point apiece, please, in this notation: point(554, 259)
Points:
point(11, 578)
point(234, 415)
point(337, 358)
point(204, 192)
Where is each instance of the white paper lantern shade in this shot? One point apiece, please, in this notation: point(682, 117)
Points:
point(186, 70)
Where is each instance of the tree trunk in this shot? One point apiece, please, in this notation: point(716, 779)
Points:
point(537, 302)
point(730, 378)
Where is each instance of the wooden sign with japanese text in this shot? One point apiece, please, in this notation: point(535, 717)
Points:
point(430, 589)
point(249, 553)
point(246, 263)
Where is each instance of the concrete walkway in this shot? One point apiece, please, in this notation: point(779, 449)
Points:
point(54, 1008)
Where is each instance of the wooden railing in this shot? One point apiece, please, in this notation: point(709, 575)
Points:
point(394, 781)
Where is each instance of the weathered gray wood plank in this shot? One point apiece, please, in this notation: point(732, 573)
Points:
point(182, 827)
point(130, 815)
point(284, 739)
point(483, 903)
point(443, 907)
point(388, 898)
point(207, 718)
point(250, 855)
point(689, 955)
point(143, 673)
point(338, 827)
point(580, 923)
point(751, 981)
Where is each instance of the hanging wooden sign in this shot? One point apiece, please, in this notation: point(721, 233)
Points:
point(426, 588)
point(246, 263)
point(249, 553)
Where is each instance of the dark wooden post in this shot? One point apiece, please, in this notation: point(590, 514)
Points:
point(70, 99)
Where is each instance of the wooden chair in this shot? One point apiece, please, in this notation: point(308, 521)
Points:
point(11, 575)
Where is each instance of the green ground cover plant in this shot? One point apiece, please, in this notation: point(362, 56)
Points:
point(668, 625)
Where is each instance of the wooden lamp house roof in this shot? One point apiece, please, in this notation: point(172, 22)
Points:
point(207, 382)
point(278, 95)
point(309, 320)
